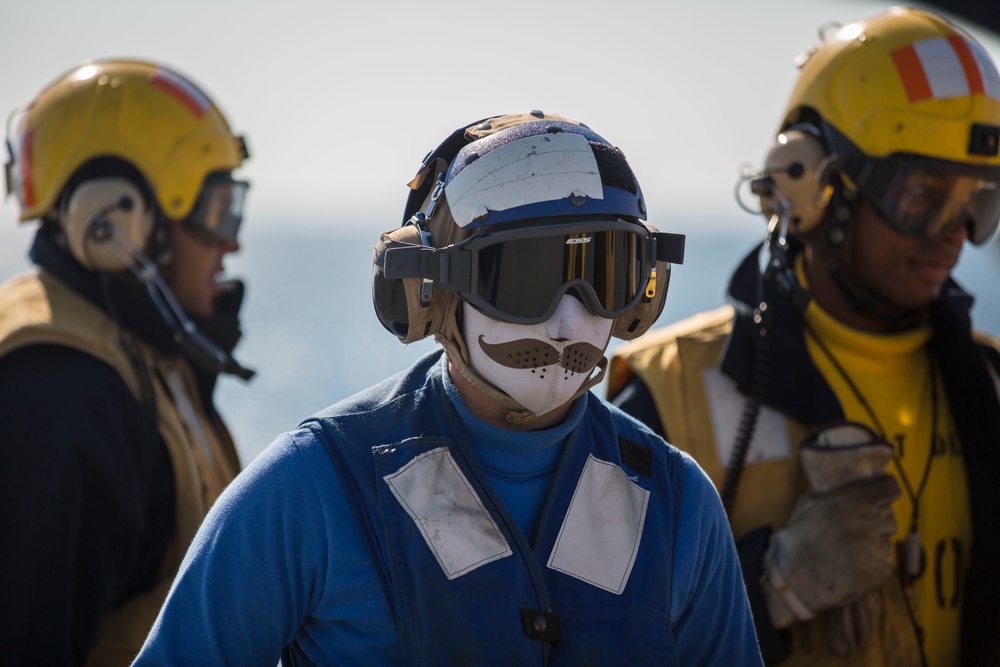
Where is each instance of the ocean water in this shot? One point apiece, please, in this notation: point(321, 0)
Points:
point(312, 336)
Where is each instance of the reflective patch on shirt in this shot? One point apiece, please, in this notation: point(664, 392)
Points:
point(449, 514)
point(770, 438)
point(600, 535)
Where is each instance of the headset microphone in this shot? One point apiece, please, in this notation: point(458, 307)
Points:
point(774, 263)
point(761, 185)
point(193, 343)
point(197, 347)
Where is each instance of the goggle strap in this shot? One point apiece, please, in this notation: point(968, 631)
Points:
point(669, 247)
point(449, 269)
point(402, 260)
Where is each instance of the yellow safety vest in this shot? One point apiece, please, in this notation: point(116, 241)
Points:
point(679, 364)
point(39, 309)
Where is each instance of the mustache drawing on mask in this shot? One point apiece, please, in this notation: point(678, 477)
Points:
point(530, 353)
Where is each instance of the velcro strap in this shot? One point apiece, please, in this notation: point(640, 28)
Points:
point(669, 247)
point(403, 260)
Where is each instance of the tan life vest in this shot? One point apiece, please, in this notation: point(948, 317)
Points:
point(679, 365)
point(39, 309)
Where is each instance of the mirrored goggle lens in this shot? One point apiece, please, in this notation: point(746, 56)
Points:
point(927, 204)
point(219, 211)
point(522, 279)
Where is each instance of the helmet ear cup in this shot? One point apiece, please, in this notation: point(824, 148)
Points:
point(637, 321)
point(795, 167)
point(397, 300)
point(99, 216)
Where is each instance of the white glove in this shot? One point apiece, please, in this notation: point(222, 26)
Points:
point(836, 547)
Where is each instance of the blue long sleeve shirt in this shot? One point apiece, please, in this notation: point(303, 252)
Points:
point(282, 565)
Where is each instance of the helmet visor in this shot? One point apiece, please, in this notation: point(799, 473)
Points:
point(218, 213)
point(519, 275)
point(926, 201)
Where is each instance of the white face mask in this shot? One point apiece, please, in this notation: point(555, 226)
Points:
point(542, 365)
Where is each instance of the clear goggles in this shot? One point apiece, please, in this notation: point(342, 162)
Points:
point(519, 275)
point(218, 213)
point(927, 201)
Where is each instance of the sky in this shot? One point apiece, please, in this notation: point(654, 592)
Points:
point(340, 101)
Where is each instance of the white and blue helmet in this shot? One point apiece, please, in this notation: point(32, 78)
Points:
point(510, 213)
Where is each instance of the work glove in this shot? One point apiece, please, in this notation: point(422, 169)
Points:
point(835, 551)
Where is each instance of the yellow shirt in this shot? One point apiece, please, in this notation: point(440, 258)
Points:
point(894, 374)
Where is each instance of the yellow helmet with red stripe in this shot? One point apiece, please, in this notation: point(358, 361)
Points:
point(909, 103)
point(143, 114)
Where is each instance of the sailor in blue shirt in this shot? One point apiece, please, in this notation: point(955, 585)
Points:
point(482, 507)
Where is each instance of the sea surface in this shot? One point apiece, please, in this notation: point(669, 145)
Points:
point(312, 336)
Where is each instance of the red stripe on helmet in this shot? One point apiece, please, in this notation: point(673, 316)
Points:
point(911, 71)
point(26, 182)
point(178, 91)
point(969, 64)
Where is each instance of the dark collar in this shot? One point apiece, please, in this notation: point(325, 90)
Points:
point(781, 356)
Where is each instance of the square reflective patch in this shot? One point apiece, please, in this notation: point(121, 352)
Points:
point(449, 514)
point(600, 535)
point(770, 438)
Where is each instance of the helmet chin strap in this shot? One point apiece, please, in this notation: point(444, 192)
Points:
point(860, 299)
point(871, 305)
point(836, 241)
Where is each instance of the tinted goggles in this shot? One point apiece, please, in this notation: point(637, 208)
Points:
point(218, 213)
point(927, 202)
point(519, 275)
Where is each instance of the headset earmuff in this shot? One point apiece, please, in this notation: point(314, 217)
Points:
point(799, 168)
point(641, 317)
point(104, 218)
point(637, 321)
point(397, 301)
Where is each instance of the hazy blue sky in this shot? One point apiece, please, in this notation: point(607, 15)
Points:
point(340, 101)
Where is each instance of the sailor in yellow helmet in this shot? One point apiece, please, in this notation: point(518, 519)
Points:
point(111, 450)
point(842, 404)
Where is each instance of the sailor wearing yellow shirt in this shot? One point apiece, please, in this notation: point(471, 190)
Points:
point(842, 404)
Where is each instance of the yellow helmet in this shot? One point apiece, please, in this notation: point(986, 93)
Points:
point(909, 104)
point(144, 114)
